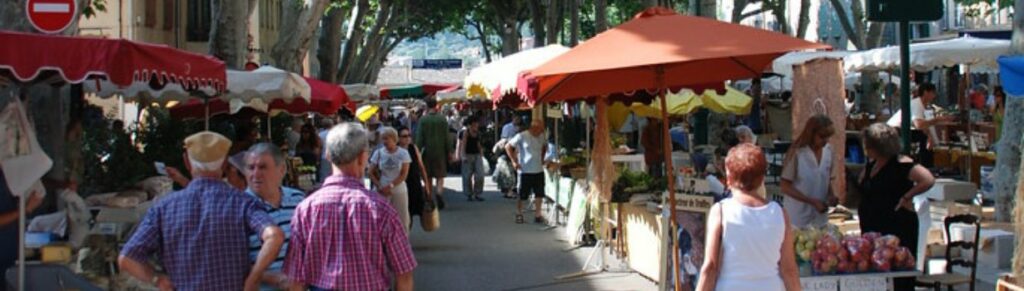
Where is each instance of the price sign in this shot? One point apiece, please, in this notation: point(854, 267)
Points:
point(819, 284)
point(865, 283)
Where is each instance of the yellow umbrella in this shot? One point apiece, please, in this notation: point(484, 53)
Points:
point(685, 102)
point(365, 112)
point(734, 101)
point(681, 103)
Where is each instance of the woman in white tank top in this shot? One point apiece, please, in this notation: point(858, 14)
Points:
point(750, 240)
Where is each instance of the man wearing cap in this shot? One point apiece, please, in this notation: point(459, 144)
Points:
point(200, 233)
point(344, 236)
point(265, 169)
point(433, 140)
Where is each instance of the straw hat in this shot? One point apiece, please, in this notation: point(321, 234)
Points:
point(207, 147)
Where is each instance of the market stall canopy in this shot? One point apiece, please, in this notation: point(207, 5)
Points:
point(980, 54)
point(325, 98)
point(770, 85)
point(457, 95)
point(253, 89)
point(784, 64)
point(686, 101)
point(492, 81)
point(659, 49)
point(266, 84)
point(852, 79)
point(415, 91)
point(362, 92)
point(127, 68)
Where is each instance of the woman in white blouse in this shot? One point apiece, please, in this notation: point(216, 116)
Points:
point(807, 174)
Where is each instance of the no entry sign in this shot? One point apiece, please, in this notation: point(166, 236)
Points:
point(51, 16)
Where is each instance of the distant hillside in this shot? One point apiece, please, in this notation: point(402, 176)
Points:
point(446, 45)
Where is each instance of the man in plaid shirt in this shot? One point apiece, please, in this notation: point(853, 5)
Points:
point(344, 236)
point(200, 234)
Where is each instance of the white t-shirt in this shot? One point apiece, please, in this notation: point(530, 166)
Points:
point(530, 151)
point(390, 163)
point(917, 112)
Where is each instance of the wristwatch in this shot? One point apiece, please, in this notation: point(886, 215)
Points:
point(154, 280)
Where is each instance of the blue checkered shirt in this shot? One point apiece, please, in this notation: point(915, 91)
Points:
point(201, 235)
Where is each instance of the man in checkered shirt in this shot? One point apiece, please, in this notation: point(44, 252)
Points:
point(344, 236)
point(200, 234)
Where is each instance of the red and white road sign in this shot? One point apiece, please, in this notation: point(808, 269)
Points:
point(51, 16)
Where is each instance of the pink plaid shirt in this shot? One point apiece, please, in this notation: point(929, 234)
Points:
point(345, 237)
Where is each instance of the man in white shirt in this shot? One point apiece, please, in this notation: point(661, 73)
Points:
point(922, 118)
point(526, 152)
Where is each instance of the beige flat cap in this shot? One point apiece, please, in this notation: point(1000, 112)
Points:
point(207, 146)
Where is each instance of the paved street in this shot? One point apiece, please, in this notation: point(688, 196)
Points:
point(479, 247)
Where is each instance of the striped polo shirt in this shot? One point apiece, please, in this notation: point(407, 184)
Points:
point(282, 216)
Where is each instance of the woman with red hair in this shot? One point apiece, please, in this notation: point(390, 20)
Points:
point(750, 239)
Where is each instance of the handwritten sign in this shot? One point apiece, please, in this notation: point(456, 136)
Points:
point(819, 284)
point(694, 203)
point(865, 283)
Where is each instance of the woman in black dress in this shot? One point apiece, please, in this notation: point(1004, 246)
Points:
point(888, 184)
point(414, 180)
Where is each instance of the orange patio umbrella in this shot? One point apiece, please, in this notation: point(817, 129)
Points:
point(688, 51)
point(655, 51)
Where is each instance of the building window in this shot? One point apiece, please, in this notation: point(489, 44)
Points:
point(199, 20)
point(150, 13)
point(169, 9)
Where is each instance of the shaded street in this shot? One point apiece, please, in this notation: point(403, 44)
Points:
point(479, 247)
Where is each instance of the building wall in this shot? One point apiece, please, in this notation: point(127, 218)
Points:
point(153, 21)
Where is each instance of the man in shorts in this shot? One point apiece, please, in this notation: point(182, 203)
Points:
point(526, 151)
point(436, 147)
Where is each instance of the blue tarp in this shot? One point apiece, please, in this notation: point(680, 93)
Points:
point(1011, 73)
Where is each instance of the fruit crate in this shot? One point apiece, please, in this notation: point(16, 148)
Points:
point(1009, 283)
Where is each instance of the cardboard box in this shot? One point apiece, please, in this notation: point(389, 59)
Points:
point(952, 190)
point(56, 254)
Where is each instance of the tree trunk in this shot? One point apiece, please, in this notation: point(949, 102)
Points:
point(779, 10)
point(229, 32)
point(329, 52)
point(354, 39)
point(1008, 157)
point(737, 10)
point(538, 23)
point(357, 72)
point(560, 21)
point(708, 8)
point(844, 21)
point(508, 19)
point(805, 19)
point(296, 36)
point(574, 23)
point(600, 15)
point(552, 22)
point(485, 42)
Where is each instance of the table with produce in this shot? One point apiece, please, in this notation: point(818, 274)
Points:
point(829, 260)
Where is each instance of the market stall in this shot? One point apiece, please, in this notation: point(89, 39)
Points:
point(144, 71)
point(654, 52)
point(249, 89)
point(497, 81)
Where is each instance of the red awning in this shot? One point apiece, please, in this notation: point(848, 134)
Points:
point(325, 98)
point(25, 56)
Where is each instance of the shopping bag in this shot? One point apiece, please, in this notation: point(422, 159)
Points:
point(431, 219)
point(21, 157)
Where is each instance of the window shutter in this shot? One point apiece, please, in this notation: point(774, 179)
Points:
point(169, 15)
point(150, 13)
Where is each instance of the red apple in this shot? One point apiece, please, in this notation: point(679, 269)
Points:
point(901, 254)
point(871, 236)
point(863, 266)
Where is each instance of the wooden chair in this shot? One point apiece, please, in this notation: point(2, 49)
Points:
point(950, 278)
